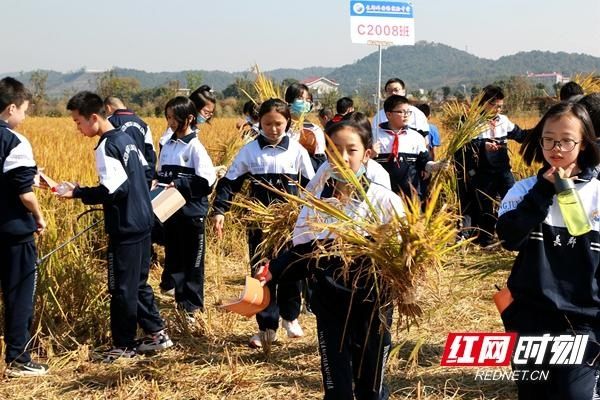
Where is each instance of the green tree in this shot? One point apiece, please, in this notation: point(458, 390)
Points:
point(446, 91)
point(518, 91)
point(287, 82)
point(237, 89)
point(328, 100)
point(38, 82)
point(125, 88)
point(193, 79)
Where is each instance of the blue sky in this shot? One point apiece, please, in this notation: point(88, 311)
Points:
point(231, 35)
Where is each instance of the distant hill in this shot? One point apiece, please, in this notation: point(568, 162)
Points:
point(60, 83)
point(433, 65)
point(426, 65)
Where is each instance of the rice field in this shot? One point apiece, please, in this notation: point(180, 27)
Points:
point(211, 360)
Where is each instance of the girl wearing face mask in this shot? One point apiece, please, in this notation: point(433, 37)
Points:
point(183, 163)
point(309, 135)
point(276, 160)
point(205, 102)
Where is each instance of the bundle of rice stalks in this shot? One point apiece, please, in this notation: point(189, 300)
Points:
point(405, 254)
point(276, 221)
point(229, 147)
point(590, 83)
point(265, 87)
point(464, 122)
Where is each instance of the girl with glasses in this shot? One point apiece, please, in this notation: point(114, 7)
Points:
point(555, 279)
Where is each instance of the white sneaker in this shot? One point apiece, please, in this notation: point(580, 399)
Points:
point(293, 328)
point(154, 342)
point(117, 353)
point(256, 341)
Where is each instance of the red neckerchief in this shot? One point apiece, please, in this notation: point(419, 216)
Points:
point(396, 143)
point(493, 123)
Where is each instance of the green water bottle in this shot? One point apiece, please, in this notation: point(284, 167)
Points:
point(571, 208)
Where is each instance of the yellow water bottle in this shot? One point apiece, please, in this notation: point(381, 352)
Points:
point(571, 208)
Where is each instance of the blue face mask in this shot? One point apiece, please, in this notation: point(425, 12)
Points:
point(299, 107)
point(361, 171)
point(200, 119)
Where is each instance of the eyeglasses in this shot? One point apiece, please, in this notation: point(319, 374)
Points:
point(402, 112)
point(563, 144)
point(206, 112)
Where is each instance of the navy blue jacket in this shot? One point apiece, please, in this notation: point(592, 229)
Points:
point(185, 163)
point(554, 271)
point(17, 170)
point(140, 132)
point(123, 191)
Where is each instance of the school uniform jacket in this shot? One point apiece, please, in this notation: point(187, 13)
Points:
point(17, 170)
point(554, 271)
point(280, 165)
point(403, 154)
point(186, 163)
point(293, 265)
point(123, 191)
point(134, 126)
point(498, 130)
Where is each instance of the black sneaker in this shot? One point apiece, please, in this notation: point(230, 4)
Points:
point(17, 369)
point(154, 342)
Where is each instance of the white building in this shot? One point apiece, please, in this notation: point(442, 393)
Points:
point(320, 86)
point(548, 79)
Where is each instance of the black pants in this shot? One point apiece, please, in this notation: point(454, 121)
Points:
point(565, 382)
point(357, 354)
point(132, 299)
point(18, 277)
point(185, 246)
point(404, 177)
point(469, 209)
point(285, 296)
point(488, 186)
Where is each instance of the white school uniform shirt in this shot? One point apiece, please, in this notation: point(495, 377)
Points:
point(497, 128)
point(165, 137)
point(411, 143)
point(386, 203)
point(185, 157)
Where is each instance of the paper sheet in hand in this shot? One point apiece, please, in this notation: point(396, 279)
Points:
point(253, 299)
point(166, 202)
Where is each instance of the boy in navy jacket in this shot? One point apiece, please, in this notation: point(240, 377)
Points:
point(20, 217)
point(128, 221)
point(126, 120)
